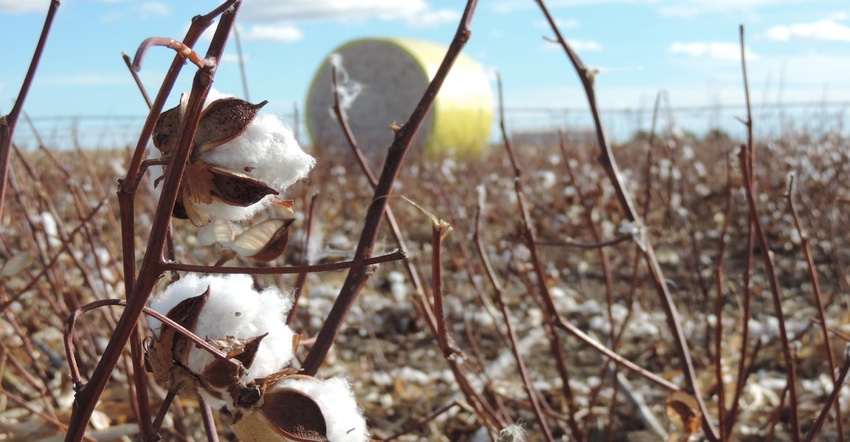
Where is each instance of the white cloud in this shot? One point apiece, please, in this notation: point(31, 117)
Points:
point(430, 19)
point(819, 30)
point(584, 45)
point(21, 6)
point(234, 58)
point(671, 8)
point(562, 24)
point(694, 8)
point(153, 9)
point(279, 32)
point(415, 12)
point(714, 50)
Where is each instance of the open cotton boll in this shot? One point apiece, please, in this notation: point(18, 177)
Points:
point(267, 151)
point(235, 309)
point(344, 419)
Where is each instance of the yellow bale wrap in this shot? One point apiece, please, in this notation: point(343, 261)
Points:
point(394, 73)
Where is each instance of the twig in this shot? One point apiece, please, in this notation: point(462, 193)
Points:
point(358, 276)
point(530, 391)
point(136, 78)
point(70, 323)
point(544, 297)
point(342, 118)
point(301, 279)
point(241, 58)
point(776, 296)
point(832, 399)
point(365, 262)
point(747, 272)
point(183, 49)
point(151, 267)
point(607, 159)
point(8, 122)
point(816, 292)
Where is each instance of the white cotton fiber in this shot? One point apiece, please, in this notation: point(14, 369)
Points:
point(267, 151)
point(345, 422)
point(235, 309)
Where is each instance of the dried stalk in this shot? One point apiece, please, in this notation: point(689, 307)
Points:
point(831, 400)
point(8, 122)
point(818, 298)
point(358, 276)
point(342, 118)
point(776, 295)
point(608, 162)
point(138, 290)
point(530, 390)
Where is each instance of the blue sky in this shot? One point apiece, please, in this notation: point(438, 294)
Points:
point(799, 51)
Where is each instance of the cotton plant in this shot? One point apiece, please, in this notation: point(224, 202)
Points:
point(240, 161)
point(258, 390)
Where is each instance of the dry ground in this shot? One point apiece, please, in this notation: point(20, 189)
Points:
point(686, 189)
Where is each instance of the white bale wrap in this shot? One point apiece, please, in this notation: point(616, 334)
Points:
point(393, 74)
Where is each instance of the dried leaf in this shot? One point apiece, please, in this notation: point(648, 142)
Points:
point(683, 412)
point(238, 189)
point(248, 351)
point(264, 241)
point(222, 121)
point(203, 184)
point(17, 263)
point(283, 204)
point(197, 189)
point(219, 231)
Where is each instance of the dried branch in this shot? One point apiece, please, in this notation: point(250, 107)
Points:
point(358, 276)
point(151, 267)
point(606, 157)
point(8, 122)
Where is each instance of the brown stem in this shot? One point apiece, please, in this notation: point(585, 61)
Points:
point(70, 323)
point(152, 264)
point(530, 390)
point(8, 122)
point(183, 49)
point(606, 157)
point(816, 292)
point(832, 399)
point(298, 287)
point(342, 118)
point(136, 78)
point(392, 256)
point(358, 276)
point(776, 295)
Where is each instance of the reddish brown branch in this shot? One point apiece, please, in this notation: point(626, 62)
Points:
point(151, 267)
point(8, 122)
point(606, 157)
point(358, 276)
point(832, 399)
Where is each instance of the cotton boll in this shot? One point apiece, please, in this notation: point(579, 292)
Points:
point(235, 309)
point(345, 422)
point(266, 151)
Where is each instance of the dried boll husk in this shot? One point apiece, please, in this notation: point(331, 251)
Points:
point(223, 120)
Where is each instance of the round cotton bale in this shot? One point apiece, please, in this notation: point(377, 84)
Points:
point(393, 74)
